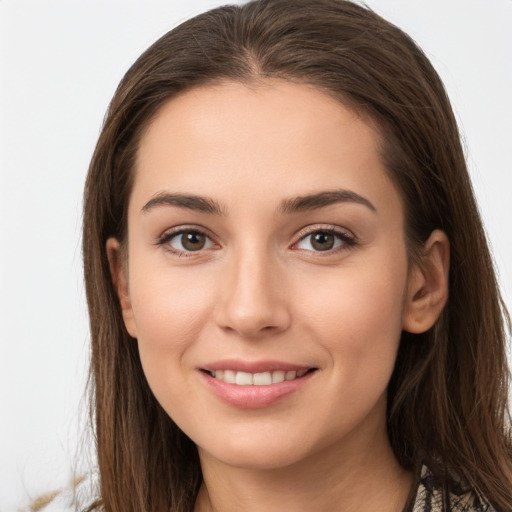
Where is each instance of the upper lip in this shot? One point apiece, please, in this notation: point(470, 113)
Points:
point(253, 366)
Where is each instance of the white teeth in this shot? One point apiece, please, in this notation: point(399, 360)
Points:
point(243, 379)
point(229, 376)
point(262, 379)
point(277, 377)
point(256, 379)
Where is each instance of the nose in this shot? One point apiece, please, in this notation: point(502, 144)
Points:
point(254, 301)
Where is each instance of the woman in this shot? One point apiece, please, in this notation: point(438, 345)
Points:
point(291, 296)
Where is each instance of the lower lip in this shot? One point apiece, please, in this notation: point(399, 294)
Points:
point(254, 397)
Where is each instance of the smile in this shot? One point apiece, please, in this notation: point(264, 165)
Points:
point(263, 386)
point(256, 379)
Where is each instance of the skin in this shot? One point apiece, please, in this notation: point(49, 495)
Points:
point(260, 290)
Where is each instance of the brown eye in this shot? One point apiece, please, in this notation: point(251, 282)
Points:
point(193, 241)
point(187, 241)
point(322, 241)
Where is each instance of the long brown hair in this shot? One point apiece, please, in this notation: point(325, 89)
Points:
point(447, 399)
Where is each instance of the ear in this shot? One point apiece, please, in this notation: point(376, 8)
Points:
point(428, 285)
point(119, 272)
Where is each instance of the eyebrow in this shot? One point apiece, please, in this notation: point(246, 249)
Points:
point(189, 201)
point(296, 204)
point(322, 199)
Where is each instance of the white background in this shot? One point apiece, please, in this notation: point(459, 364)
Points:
point(60, 63)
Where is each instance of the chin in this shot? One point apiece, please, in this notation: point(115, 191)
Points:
point(265, 449)
point(251, 457)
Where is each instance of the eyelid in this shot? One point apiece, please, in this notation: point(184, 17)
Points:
point(348, 238)
point(170, 233)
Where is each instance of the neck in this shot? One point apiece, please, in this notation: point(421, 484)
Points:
point(348, 477)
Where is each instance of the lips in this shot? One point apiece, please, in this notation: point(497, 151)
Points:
point(254, 385)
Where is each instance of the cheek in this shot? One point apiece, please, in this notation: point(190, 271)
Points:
point(170, 310)
point(357, 317)
point(170, 305)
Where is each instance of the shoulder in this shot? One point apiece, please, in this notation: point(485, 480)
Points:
point(435, 496)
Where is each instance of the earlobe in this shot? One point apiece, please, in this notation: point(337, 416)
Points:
point(428, 285)
point(119, 274)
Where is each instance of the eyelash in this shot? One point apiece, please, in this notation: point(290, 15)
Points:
point(347, 240)
point(166, 238)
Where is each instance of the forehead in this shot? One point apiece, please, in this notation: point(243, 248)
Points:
point(241, 142)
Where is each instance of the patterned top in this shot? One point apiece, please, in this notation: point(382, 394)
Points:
point(431, 497)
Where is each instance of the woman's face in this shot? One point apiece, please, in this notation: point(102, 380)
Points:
point(265, 242)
